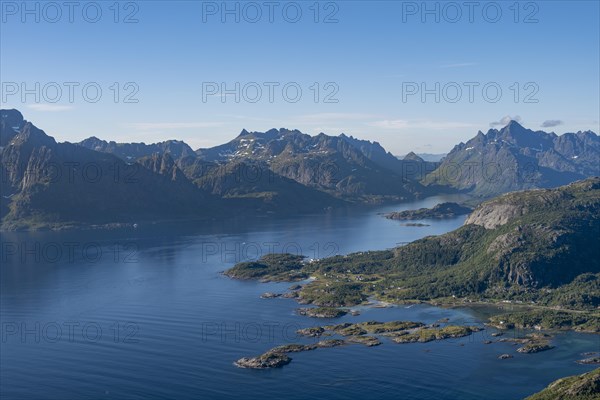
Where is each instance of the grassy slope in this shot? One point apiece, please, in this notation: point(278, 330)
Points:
point(579, 387)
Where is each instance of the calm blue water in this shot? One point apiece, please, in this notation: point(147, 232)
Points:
point(146, 314)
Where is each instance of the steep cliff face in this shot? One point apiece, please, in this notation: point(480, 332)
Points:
point(163, 164)
point(11, 123)
point(533, 233)
point(513, 245)
point(44, 182)
point(262, 188)
point(506, 208)
point(493, 216)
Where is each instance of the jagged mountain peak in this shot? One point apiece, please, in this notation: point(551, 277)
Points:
point(11, 123)
point(521, 159)
point(270, 134)
point(32, 135)
point(132, 151)
point(514, 124)
point(11, 116)
point(412, 156)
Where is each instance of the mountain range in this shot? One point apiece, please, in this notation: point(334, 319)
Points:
point(280, 171)
point(516, 158)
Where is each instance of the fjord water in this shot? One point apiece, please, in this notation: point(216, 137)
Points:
point(145, 313)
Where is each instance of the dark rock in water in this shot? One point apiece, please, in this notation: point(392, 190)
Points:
point(589, 361)
point(292, 348)
point(277, 356)
point(270, 295)
point(487, 342)
point(314, 331)
point(264, 361)
point(295, 287)
point(504, 356)
point(535, 347)
point(330, 343)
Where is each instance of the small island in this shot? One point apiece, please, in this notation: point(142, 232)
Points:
point(322, 312)
point(264, 361)
point(358, 333)
point(532, 343)
point(592, 358)
point(440, 211)
point(277, 357)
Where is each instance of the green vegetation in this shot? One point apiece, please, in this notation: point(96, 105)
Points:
point(399, 331)
point(537, 248)
point(271, 267)
point(392, 326)
point(579, 387)
point(322, 312)
point(443, 210)
point(548, 319)
point(429, 334)
point(368, 341)
point(333, 294)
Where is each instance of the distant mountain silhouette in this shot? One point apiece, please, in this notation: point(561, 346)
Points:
point(132, 151)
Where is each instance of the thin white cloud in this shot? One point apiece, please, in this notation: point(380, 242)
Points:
point(147, 126)
point(458, 65)
point(505, 120)
point(49, 107)
point(334, 117)
point(398, 124)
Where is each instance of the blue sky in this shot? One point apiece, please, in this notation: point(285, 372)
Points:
point(372, 57)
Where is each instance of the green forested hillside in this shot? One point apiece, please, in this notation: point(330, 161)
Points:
point(538, 247)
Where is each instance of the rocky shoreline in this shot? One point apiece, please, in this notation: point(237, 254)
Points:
point(358, 333)
point(277, 357)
